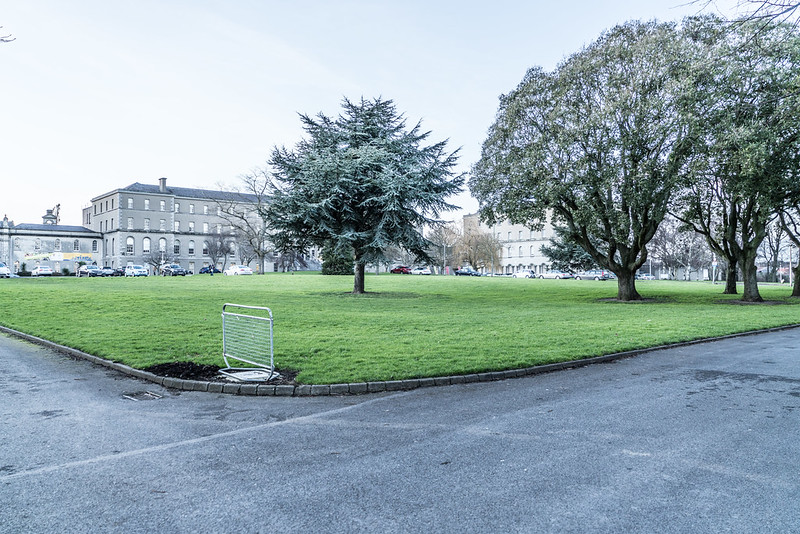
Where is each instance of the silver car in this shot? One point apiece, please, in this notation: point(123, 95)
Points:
point(558, 275)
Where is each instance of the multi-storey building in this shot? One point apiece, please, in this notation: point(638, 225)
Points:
point(521, 246)
point(143, 221)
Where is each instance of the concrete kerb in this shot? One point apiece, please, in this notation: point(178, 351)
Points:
point(359, 388)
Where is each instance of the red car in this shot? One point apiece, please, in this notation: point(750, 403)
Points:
point(401, 269)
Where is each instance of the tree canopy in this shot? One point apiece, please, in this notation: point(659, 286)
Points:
point(599, 145)
point(360, 183)
point(745, 165)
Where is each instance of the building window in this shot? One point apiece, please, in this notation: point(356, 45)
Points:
point(112, 204)
point(520, 251)
point(58, 244)
point(162, 245)
point(113, 249)
point(205, 248)
point(191, 208)
point(509, 252)
point(509, 236)
point(205, 210)
point(112, 223)
point(520, 235)
point(219, 228)
point(147, 224)
point(177, 207)
point(531, 250)
point(130, 223)
point(176, 248)
point(162, 206)
point(16, 243)
point(94, 245)
point(146, 245)
point(191, 226)
point(129, 246)
point(191, 248)
point(37, 245)
point(130, 203)
point(177, 226)
point(205, 228)
point(76, 245)
point(147, 203)
point(162, 225)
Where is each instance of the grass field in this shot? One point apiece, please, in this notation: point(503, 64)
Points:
point(406, 327)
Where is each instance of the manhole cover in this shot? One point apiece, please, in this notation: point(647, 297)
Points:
point(141, 395)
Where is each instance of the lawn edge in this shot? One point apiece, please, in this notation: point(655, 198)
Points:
point(360, 388)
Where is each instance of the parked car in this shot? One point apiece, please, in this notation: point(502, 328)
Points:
point(401, 269)
point(42, 270)
point(89, 271)
point(173, 269)
point(208, 270)
point(594, 274)
point(136, 270)
point(237, 270)
point(420, 270)
point(5, 272)
point(467, 271)
point(557, 275)
point(522, 274)
point(645, 276)
point(119, 271)
point(106, 271)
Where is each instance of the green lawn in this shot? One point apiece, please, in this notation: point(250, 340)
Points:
point(406, 327)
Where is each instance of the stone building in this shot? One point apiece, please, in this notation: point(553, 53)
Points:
point(521, 246)
point(49, 243)
point(143, 221)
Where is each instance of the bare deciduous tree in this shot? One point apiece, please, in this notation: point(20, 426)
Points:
point(246, 212)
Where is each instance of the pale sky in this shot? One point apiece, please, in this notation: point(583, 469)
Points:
point(98, 94)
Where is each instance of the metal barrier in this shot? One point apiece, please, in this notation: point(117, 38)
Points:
point(247, 338)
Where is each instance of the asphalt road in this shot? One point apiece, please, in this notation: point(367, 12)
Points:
point(694, 439)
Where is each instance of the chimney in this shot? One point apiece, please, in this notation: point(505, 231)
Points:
point(162, 185)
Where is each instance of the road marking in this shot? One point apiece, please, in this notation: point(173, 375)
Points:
point(194, 441)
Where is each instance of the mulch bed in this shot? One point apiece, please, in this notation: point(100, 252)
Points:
point(208, 373)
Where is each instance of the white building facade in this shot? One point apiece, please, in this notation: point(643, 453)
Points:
point(521, 246)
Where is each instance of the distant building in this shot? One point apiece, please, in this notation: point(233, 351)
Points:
point(521, 246)
point(51, 244)
point(143, 220)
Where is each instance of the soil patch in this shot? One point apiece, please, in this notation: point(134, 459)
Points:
point(208, 373)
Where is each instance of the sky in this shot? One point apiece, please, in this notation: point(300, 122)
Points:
point(98, 94)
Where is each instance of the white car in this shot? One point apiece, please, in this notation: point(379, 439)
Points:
point(522, 274)
point(237, 270)
point(135, 270)
point(5, 272)
point(420, 270)
point(42, 270)
point(557, 275)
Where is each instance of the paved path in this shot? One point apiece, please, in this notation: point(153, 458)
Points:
point(694, 439)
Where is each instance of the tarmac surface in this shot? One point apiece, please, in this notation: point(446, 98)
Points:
point(700, 438)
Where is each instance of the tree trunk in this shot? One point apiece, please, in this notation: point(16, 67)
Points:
point(730, 280)
point(626, 287)
point(358, 284)
point(749, 276)
point(796, 283)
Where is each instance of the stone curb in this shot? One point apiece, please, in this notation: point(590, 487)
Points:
point(360, 388)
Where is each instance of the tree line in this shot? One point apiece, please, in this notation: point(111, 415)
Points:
point(698, 120)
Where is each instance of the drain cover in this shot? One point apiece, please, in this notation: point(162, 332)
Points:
point(141, 395)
